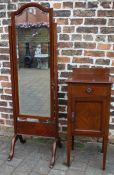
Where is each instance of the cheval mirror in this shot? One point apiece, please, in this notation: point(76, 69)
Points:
point(34, 74)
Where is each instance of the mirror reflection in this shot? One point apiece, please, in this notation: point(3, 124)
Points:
point(33, 59)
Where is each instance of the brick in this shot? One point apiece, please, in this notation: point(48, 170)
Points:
point(110, 54)
point(5, 21)
point(65, 44)
point(113, 5)
point(2, 14)
point(111, 22)
point(106, 4)
point(6, 29)
point(3, 78)
point(65, 74)
point(94, 53)
point(4, 36)
point(110, 38)
point(9, 122)
point(4, 50)
point(61, 66)
point(71, 52)
point(58, 29)
point(112, 70)
point(84, 66)
point(112, 62)
point(3, 44)
point(106, 13)
point(80, 4)
point(76, 37)
point(69, 29)
point(92, 4)
point(11, 116)
point(64, 88)
point(7, 91)
point(6, 64)
point(2, 7)
point(102, 61)
point(4, 57)
point(6, 84)
point(82, 60)
point(62, 115)
point(62, 102)
point(85, 45)
point(95, 21)
point(5, 116)
point(70, 67)
point(61, 81)
point(11, 6)
point(87, 29)
point(3, 103)
point(62, 21)
point(45, 4)
point(10, 104)
point(61, 95)
point(2, 121)
point(62, 13)
point(64, 37)
point(100, 38)
point(6, 97)
point(1, 29)
point(76, 21)
point(4, 1)
point(57, 5)
point(107, 30)
point(103, 46)
point(83, 13)
point(68, 5)
point(63, 59)
point(88, 37)
point(5, 110)
point(62, 108)
point(1, 90)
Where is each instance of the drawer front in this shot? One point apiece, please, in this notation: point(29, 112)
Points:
point(87, 90)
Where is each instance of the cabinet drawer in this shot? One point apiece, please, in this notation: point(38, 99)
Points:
point(89, 90)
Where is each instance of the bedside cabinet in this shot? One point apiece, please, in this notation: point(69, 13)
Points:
point(89, 92)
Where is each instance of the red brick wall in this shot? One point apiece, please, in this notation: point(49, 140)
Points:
point(85, 39)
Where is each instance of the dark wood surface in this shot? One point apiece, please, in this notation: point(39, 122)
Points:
point(46, 126)
point(89, 106)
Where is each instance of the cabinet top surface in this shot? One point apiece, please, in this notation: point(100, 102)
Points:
point(90, 75)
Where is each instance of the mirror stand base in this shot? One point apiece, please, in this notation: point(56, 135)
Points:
point(15, 138)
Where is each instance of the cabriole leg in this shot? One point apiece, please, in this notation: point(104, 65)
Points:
point(52, 162)
point(15, 138)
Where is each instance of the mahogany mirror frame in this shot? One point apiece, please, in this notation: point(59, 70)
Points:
point(46, 126)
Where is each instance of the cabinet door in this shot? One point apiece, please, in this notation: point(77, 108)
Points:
point(88, 115)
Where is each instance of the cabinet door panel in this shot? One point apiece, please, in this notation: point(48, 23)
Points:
point(88, 115)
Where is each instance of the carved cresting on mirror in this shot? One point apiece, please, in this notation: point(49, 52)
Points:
point(34, 74)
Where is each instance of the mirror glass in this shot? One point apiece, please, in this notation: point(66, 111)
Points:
point(33, 61)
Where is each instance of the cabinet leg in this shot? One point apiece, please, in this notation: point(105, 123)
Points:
point(69, 145)
point(104, 150)
point(72, 142)
point(15, 138)
point(52, 162)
